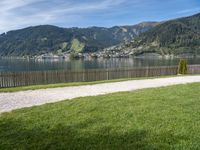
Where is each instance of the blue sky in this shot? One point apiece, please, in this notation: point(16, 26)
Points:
point(15, 14)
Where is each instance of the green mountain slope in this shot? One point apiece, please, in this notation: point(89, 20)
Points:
point(175, 37)
point(43, 39)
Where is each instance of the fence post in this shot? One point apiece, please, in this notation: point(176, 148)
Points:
point(147, 71)
point(107, 71)
point(83, 76)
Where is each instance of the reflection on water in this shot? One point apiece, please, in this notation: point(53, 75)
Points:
point(7, 64)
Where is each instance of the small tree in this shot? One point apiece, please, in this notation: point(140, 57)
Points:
point(182, 68)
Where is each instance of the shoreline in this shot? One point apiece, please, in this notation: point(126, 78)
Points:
point(86, 56)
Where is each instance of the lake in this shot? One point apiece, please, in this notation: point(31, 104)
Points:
point(8, 64)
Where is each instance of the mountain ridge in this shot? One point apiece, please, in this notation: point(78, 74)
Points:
point(36, 40)
point(174, 37)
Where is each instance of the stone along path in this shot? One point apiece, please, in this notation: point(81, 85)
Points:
point(12, 101)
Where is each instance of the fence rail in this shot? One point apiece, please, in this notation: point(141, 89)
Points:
point(15, 79)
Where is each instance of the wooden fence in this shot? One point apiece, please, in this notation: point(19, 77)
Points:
point(15, 79)
point(194, 69)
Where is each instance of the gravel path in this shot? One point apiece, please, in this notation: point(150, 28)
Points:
point(12, 101)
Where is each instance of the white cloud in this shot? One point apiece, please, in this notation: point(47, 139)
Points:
point(9, 5)
point(192, 10)
point(9, 18)
point(21, 13)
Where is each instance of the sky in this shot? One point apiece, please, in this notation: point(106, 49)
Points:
point(17, 14)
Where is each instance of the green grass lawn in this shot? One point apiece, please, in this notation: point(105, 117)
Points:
point(152, 119)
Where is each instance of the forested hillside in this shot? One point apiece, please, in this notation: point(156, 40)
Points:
point(46, 38)
point(175, 37)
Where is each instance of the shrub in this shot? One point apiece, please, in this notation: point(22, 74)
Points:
point(182, 68)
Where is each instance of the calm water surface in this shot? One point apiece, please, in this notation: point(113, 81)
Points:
point(8, 64)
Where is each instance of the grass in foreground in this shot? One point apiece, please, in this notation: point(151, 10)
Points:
point(36, 87)
point(162, 118)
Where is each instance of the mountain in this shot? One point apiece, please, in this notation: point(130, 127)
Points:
point(46, 38)
point(176, 37)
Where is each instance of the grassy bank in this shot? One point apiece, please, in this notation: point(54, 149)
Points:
point(36, 87)
point(161, 118)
